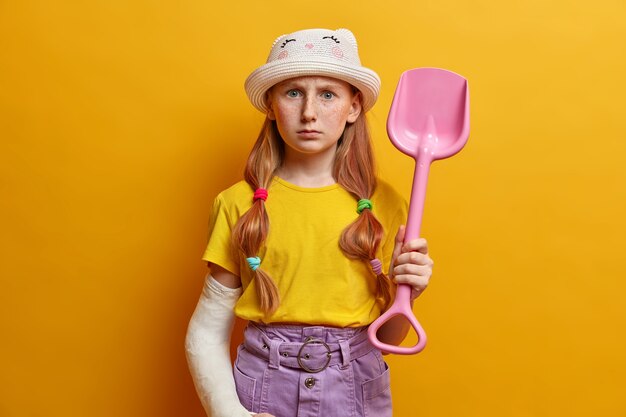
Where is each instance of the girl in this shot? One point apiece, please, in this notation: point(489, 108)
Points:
point(300, 247)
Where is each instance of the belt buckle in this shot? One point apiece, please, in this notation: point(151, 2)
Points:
point(312, 340)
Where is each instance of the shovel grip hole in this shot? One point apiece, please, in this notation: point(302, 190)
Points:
point(400, 307)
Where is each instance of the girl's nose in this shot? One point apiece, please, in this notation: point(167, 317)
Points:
point(309, 112)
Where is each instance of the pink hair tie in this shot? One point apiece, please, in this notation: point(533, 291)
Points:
point(260, 193)
point(377, 266)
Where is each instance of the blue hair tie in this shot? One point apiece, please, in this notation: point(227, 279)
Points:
point(254, 262)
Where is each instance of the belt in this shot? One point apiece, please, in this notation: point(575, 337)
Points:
point(312, 355)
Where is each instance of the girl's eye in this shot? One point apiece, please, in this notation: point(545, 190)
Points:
point(293, 93)
point(328, 95)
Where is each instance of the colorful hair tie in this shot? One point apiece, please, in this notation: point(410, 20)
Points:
point(377, 266)
point(363, 204)
point(254, 262)
point(260, 193)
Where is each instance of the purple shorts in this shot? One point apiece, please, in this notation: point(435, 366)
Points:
point(311, 371)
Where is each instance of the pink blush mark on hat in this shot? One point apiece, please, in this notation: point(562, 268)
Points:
point(337, 52)
point(283, 54)
point(309, 46)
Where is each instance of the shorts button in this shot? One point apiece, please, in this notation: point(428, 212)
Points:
point(309, 382)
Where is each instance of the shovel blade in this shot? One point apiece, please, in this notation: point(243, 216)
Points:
point(430, 113)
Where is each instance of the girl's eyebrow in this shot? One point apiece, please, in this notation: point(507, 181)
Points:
point(329, 86)
point(289, 85)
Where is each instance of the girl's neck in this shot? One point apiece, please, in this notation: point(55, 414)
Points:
point(306, 171)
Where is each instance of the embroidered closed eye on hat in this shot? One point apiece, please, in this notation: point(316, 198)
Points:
point(331, 53)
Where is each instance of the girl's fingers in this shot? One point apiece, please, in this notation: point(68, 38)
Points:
point(416, 258)
point(415, 281)
point(409, 270)
point(418, 284)
point(418, 245)
point(411, 264)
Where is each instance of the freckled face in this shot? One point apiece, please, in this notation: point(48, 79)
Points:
point(312, 112)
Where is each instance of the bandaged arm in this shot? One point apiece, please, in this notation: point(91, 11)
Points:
point(207, 347)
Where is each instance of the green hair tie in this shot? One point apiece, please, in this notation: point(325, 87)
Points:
point(363, 204)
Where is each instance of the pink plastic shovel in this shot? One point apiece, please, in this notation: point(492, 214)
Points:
point(428, 120)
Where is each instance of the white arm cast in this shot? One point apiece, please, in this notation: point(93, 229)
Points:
point(207, 346)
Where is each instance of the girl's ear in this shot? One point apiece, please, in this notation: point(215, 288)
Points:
point(355, 108)
point(268, 102)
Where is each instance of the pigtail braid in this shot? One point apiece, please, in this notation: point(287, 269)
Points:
point(252, 228)
point(354, 170)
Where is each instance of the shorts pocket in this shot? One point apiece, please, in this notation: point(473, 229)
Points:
point(377, 396)
point(245, 388)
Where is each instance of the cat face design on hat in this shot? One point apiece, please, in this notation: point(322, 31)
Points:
point(313, 52)
point(315, 44)
point(336, 51)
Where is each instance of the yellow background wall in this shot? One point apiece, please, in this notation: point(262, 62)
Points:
point(120, 121)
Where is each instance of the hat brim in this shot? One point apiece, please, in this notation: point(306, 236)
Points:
point(266, 76)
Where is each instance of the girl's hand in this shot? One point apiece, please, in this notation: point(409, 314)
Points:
point(263, 415)
point(410, 263)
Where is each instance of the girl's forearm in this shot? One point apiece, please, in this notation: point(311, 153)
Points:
point(207, 348)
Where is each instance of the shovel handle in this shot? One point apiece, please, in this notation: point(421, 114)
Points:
point(402, 304)
point(400, 307)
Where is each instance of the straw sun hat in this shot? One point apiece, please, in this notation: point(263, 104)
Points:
point(331, 53)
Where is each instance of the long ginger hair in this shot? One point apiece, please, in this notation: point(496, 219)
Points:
point(354, 170)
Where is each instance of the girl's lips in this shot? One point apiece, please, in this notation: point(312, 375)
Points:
point(308, 133)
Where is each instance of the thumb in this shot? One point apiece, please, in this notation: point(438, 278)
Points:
point(397, 248)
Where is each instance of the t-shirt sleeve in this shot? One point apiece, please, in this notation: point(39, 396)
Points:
point(219, 248)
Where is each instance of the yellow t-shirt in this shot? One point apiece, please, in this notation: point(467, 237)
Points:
point(317, 283)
